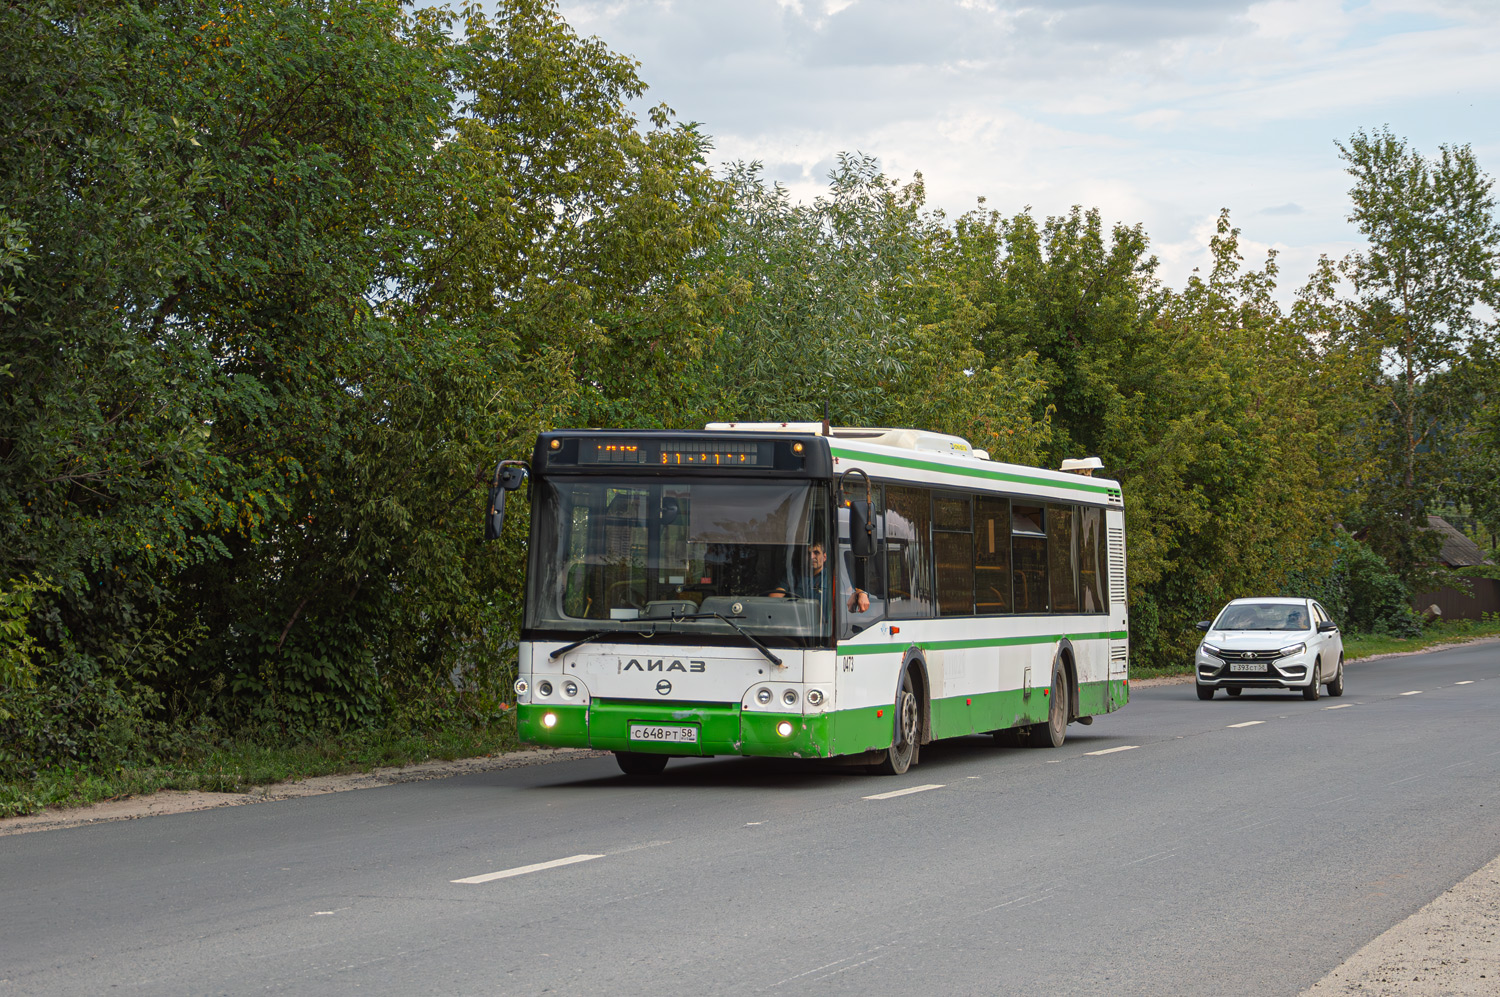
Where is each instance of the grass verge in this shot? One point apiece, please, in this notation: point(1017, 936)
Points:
point(235, 765)
point(1441, 632)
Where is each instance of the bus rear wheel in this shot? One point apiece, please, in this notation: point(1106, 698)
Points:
point(1052, 733)
point(640, 763)
point(903, 749)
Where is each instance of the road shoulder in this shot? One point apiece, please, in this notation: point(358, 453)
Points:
point(171, 801)
point(1450, 947)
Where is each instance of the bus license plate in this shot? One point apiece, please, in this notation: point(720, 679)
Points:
point(671, 735)
point(1235, 666)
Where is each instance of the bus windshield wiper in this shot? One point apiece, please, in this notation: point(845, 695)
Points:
point(763, 649)
point(596, 636)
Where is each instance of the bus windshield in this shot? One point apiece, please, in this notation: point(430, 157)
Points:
point(666, 555)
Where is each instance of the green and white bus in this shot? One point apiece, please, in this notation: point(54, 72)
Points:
point(675, 607)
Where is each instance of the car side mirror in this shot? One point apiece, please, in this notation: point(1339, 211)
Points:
point(1204, 624)
point(1328, 627)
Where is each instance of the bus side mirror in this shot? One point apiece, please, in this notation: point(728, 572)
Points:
point(861, 529)
point(508, 477)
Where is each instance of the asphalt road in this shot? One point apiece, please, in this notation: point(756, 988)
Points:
point(1230, 847)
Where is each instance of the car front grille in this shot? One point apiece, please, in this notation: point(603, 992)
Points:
point(1263, 657)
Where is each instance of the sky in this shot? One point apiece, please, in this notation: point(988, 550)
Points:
point(1158, 112)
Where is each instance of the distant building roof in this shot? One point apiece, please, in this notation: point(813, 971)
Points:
point(1458, 550)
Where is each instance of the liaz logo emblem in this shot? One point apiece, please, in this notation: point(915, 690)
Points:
point(664, 687)
point(662, 665)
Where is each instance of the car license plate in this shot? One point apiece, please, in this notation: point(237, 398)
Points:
point(1236, 666)
point(671, 735)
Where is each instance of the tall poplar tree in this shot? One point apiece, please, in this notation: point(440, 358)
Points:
point(1434, 246)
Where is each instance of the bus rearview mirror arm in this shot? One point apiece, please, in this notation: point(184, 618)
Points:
point(861, 523)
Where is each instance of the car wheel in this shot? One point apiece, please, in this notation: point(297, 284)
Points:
point(1205, 692)
point(1233, 691)
point(1336, 687)
point(1315, 687)
point(640, 763)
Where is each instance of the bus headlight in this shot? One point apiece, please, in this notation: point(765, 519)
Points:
point(570, 688)
point(789, 697)
point(544, 688)
point(763, 696)
point(784, 728)
point(521, 686)
point(815, 697)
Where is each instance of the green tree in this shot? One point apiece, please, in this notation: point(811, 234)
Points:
point(1434, 245)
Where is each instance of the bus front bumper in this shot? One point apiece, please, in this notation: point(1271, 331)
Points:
point(721, 728)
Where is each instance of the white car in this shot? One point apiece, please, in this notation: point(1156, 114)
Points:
point(1271, 643)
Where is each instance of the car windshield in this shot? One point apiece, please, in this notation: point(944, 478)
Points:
point(1262, 616)
point(669, 556)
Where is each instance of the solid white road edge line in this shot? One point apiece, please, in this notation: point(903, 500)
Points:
point(1247, 723)
point(523, 870)
point(1110, 751)
point(906, 792)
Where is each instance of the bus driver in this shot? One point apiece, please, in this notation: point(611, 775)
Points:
point(812, 584)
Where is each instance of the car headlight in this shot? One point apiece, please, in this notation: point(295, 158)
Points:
point(1287, 652)
point(1210, 649)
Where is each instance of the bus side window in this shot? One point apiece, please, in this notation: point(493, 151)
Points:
point(991, 555)
point(1028, 555)
point(1091, 563)
point(908, 531)
point(1062, 557)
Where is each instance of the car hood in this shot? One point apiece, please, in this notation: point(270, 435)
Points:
point(1256, 640)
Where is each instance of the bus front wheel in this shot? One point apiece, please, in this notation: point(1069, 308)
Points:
point(640, 763)
point(903, 749)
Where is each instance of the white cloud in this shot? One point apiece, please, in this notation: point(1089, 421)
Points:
point(1159, 111)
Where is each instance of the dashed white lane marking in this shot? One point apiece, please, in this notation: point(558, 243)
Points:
point(1247, 723)
point(524, 869)
point(1465, 682)
point(1414, 692)
point(905, 792)
point(1110, 751)
point(1341, 706)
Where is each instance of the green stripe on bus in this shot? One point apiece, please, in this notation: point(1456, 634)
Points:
point(1080, 485)
point(955, 645)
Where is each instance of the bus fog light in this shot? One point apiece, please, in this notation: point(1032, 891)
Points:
point(789, 697)
point(549, 720)
point(570, 688)
point(784, 728)
point(544, 688)
point(763, 696)
point(815, 697)
point(521, 687)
